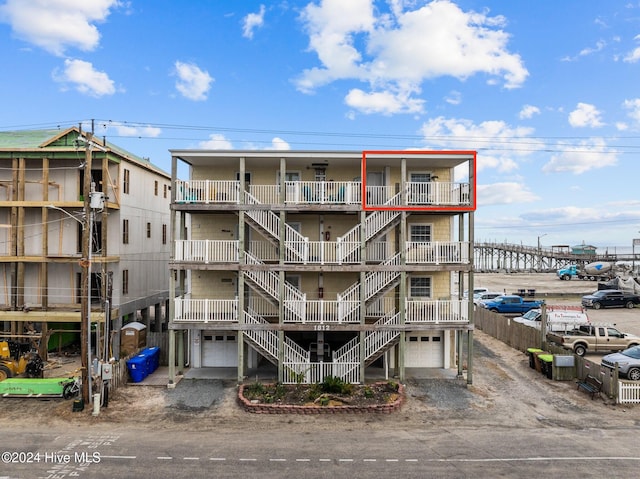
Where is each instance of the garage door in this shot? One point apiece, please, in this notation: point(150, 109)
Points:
point(424, 349)
point(219, 350)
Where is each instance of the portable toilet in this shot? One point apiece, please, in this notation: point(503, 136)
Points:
point(133, 336)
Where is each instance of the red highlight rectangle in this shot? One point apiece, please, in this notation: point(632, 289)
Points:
point(401, 153)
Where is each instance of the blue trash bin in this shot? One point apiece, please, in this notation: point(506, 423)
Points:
point(138, 368)
point(154, 358)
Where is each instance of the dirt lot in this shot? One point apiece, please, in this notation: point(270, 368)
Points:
point(505, 392)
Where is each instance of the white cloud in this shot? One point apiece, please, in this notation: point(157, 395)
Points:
point(504, 194)
point(634, 110)
point(251, 22)
point(634, 55)
point(216, 141)
point(528, 111)
point(279, 144)
point(585, 115)
point(385, 102)
point(124, 129)
point(399, 50)
point(85, 78)
point(588, 155)
point(56, 25)
point(454, 98)
point(497, 142)
point(193, 83)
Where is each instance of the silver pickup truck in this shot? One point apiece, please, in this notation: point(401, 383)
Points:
point(590, 338)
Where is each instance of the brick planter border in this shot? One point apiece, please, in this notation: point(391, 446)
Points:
point(262, 408)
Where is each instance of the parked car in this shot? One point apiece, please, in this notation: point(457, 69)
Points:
point(589, 338)
point(628, 362)
point(510, 304)
point(476, 291)
point(610, 298)
point(487, 295)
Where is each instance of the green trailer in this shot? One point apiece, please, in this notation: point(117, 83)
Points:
point(33, 387)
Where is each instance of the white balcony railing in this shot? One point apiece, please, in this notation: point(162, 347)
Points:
point(206, 310)
point(380, 195)
point(437, 311)
point(323, 192)
point(207, 191)
point(320, 311)
point(266, 194)
point(313, 373)
point(437, 193)
point(206, 251)
point(437, 252)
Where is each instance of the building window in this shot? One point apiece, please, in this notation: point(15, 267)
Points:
point(125, 181)
point(420, 233)
point(164, 234)
point(155, 187)
point(125, 281)
point(148, 230)
point(420, 177)
point(125, 231)
point(166, 188)
point(420, 287)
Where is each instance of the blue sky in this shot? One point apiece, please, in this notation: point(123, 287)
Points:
point(546, 91)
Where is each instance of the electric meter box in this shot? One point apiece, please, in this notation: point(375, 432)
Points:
point(107, 371)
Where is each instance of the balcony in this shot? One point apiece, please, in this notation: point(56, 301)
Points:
point(437, 311)
point(319, 252)
point(205, 310)
point(438, 193)
point(207, 191)
point(436, 252)
point(207, 251)
point(324, 193)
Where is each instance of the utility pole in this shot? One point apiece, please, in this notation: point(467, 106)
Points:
point(85, 315)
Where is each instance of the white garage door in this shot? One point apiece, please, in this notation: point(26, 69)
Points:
point(219, 349)
point(424, 349)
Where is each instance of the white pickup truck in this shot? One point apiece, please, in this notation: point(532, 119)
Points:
point(590, 338)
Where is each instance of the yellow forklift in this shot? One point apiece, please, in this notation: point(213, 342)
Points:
point(19, 358)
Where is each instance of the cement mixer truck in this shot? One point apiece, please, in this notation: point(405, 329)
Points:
point(596, 271)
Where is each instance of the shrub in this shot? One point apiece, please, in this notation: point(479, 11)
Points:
point(254, 390)
point(335, 385)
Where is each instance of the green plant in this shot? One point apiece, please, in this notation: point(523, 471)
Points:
point(279, 391)
point(335, 385)
point(254, 390)
point(324, 401)
point(368, 392)
point(393, 386)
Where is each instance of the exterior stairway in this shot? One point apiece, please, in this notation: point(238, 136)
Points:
point(268, 224)
point(266, 342)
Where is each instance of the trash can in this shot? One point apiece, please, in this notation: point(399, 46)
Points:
point(138, 368)
point(546, 365)
point(154, 358)
point(532, 359)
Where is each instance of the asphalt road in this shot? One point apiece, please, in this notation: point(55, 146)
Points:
point(458, 452)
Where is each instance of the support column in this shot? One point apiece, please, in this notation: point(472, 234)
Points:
point(362, 293)
point(180, 366)
point(172, 359)
point(470, 299)
point(402, 301)
point(173, 219)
